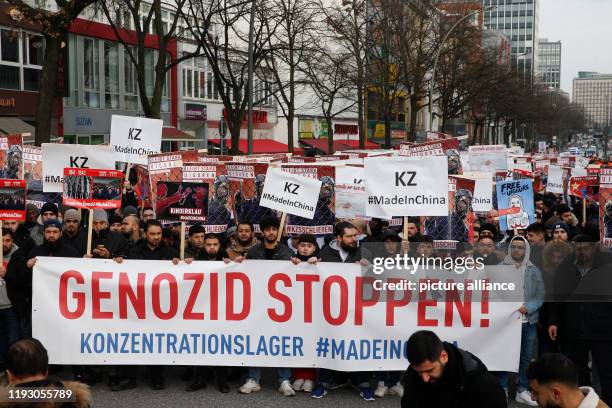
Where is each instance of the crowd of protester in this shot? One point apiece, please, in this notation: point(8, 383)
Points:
point(565, 341)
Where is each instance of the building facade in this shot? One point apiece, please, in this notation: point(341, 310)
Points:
point(519, 21)
point(549, 63)
point(593, 92)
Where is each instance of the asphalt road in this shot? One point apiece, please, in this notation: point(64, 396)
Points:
point(174, 395)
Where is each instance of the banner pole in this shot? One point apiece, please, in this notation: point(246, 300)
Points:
point(127, 177)
point(89, 230)
point(182, 240)
point(281, 227)
point(405, 230)
point(584, 203)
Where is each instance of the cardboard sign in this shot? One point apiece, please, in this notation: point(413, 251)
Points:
point(92, 188)
point(350, 192)
point(181, 201)
point(167, 167)
point(406, 186)
point(133, 138)
point(578, 185)
point(605, 206)
point(12, 200)
point(483, 191)
point(290, 193)
point(490, 158)
point(433, 148)
point(554, 183)
point(57, 157)
point(11, 157)
point(220, 200)
point(33, 166)
point(515, 204)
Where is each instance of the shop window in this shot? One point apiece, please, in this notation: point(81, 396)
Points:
point(31, 79)
point(9, 77)
point(9, 44)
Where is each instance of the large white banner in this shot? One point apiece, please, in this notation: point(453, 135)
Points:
point(133, 138)
point(56, 157)
point(258, 313)
point(290, 193)
point(350, 192)
point(406, 186)
point(489, 158)
point(554, 181)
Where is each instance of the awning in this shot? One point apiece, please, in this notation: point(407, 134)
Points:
point(259, 146)
point(10, 125)
point(170, 133)
point(321, 145)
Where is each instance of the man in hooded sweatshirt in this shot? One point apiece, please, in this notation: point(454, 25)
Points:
point(533, 292)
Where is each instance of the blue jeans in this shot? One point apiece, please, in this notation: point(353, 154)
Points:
point(9, 330)
point(283, 374)
point(528, 343)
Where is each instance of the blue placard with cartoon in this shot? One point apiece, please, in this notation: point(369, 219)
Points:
point(515, 204)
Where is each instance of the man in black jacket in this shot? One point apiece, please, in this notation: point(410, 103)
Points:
point(19, 288)
point(73, 234)
point(106, 244)
point(21, 235)
point(52, 244)
point(443, 376)
point(151, 248)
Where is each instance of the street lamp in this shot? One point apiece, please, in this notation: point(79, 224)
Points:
point(439, 50)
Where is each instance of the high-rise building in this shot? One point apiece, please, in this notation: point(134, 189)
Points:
point(549, 63)
point(519, 20)
point(593, 92)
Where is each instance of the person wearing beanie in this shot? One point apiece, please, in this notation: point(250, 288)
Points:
point(114, 222)
point(48, 211)
point(106, 244)
point(73, 234)
point(560, 231)
point(564, 212)
point(52, 244)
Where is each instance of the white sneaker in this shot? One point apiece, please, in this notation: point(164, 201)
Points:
point(381, 389)
point(524, 397)
point(397, 389)
point(308, 386)
point(298, 384)
point(285, 389)
point(249, 386)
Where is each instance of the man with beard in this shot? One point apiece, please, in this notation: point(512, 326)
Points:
point(49, 211)
point(211, 251)
point(554, 384)
point(195, 245)
point(106, 244)
point(13, 163)
point(130, 228)
point(442, 375)
point(344, 249)
point(21, 235)
point(243, 241)
point(249, 210)
point(269, 249)
point(218, 214)
point(438, 227)
point(73, 234)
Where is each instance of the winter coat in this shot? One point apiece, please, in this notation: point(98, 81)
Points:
point(18, 280)
point(61, 250)
point(79, 390)
point(281, 252)
point(78, 241)
point(236, 250)
point(465, 383)
point(162, 253)
point(331, 253)
point(114, 242)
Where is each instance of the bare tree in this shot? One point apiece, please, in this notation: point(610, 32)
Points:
point(146, 18)
point(289, 27)
point(54, 28)
point(221, 29)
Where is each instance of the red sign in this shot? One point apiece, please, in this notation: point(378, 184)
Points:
point(578, 185)
point(259, 116)
point(92, 188)
point(346, 129)
point(12, 199)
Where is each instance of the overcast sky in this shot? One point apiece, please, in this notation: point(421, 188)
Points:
point(585, 32)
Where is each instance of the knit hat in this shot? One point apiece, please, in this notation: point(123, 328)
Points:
point(115, 219)
point(53, 223)
point(100, 215)
point(31, 207)
point(72, 214)
point(49, 207)
point(560, 225)
point(130, 210)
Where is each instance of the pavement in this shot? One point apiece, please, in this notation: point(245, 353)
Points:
point(174, 395)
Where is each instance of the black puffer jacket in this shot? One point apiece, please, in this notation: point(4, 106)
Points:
point(466, 383)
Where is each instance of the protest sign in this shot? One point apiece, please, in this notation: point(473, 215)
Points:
point(32, 166)
point(554, 182)
point(246, 186)
point(488, 158)
point(582, 162)
point(92, 188)
point(515, 204)
point(11, 157)
point(579, 172)
point(324, 218)
point(406, 186)
point(57, 157)
point(219, 212)
point(290, 193)
point(12, 199)
point(132, 138)
point(433, 148)
point(181, 201)
point(578, 185)
point(256, 313)
point(458, 225)
point(542, 146)
point(605, 206)
point(167, 167)
point(350, 192)
point(483, 190)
